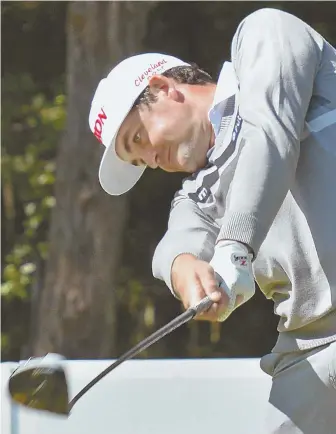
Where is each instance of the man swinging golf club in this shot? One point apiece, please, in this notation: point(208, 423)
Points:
point(260, 202)
point(260, 146)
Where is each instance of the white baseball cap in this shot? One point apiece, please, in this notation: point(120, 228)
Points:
point(112, 101)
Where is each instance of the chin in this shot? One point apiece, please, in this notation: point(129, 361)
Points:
point(194, 166)
point(169, 170)
point(175, 169)
point(190, 160)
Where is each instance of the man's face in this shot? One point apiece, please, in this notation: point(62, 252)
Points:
point(174, 132)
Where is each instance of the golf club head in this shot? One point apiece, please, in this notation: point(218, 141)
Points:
point(40, 383)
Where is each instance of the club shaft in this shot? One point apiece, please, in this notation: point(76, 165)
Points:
point(186, 316)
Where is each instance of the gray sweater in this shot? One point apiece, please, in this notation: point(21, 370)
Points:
point(270, 181)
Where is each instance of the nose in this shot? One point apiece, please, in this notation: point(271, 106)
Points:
point(150, 157)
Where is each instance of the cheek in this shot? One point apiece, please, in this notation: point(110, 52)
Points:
point(162, 129)
point(164, 126)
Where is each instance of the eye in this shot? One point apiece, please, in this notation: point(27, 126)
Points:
point(137, 138)
point(138, 162)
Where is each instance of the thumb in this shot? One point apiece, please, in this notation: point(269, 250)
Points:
point(215, 296)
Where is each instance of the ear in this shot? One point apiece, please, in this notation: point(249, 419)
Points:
point(160, 83)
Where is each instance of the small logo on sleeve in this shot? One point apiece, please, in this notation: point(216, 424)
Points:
point(203, 194)
point(236, 128)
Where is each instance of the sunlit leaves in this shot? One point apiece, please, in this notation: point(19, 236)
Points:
point(15, 282)
point(31, 127)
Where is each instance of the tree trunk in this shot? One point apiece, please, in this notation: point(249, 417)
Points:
point(76, 315)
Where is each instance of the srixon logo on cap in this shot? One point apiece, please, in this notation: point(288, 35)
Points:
point(98, 126)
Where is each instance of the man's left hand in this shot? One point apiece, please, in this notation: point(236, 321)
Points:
point(233, 268)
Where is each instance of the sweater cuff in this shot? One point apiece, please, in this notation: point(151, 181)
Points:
point(245, 228)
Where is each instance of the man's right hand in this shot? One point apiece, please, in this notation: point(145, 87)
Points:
point(194, 279)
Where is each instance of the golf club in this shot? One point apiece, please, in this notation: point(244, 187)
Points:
point(41, 384)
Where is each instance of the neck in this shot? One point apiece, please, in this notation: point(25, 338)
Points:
point(207, 94)
point(202, 96)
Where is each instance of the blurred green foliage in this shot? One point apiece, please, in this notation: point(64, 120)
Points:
point(33, 116)
point(31, 127)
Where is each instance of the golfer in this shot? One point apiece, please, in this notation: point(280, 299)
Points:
point(259, 203)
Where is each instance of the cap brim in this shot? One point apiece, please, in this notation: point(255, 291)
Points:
point(116, 176)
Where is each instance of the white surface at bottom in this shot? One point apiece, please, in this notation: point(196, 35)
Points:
point(153, 397)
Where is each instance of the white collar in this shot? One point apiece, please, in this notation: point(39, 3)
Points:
point(227, 85)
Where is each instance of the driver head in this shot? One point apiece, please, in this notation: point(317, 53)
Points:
point(40, 383)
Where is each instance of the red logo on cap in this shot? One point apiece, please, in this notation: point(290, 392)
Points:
point(98, 126)
point(153, 68)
